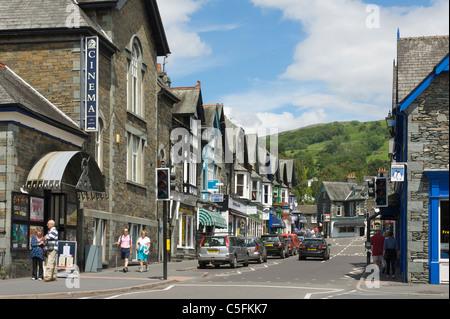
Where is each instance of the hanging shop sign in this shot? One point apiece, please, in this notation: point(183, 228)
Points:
point(91, 81)
point(397, 172)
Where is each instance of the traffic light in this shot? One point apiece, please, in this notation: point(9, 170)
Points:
point(371, 185)
point(162, 184)
point(381, 192)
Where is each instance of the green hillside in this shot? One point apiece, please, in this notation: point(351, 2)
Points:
point(329, 152)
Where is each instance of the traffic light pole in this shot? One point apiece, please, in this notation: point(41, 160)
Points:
point(165, 240)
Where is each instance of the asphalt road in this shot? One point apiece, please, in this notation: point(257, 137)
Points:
point(288, 278)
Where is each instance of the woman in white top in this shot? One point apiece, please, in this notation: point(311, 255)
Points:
point(143, 248)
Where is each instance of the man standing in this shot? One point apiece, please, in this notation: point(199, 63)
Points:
point(377, 242)
point(51, 249)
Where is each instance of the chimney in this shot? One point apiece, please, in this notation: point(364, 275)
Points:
point(351, 178)
point(163, 75)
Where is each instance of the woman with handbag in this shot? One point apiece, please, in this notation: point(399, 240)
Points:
point(390, 253)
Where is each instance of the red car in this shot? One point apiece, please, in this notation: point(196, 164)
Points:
point(295, 241)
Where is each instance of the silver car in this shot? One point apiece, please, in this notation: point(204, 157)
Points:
point(222, 249)
point(256, 249)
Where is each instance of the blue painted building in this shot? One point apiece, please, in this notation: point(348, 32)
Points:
point(420, 130)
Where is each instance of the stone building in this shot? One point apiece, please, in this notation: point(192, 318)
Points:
point(342, 208)
point(421, 144)
point(44, 44)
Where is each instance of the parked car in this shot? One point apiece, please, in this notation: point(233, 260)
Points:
point(256, 249)
point(291, 247)
point(295, 242)
point(275, 245)
point(314, 247)
point(222, 249)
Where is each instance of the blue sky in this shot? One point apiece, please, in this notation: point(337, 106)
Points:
point(286, 64)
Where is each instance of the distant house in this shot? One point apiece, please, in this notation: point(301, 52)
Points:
point(342, 207)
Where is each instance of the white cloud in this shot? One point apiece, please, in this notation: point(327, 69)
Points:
point(353, 60)
point(341, 69)
point(183, 42)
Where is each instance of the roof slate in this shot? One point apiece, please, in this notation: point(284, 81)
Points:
point(14, 91)
point(416, 59)
point(43, 14)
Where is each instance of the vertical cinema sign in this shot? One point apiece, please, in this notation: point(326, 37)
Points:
point(91, 89)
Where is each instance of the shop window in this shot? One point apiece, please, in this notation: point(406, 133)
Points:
point(186, 231)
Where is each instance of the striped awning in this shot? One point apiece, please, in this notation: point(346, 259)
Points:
point(73, 168)
point(209, 218)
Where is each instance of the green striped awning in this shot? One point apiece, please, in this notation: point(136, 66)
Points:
point(209, 218)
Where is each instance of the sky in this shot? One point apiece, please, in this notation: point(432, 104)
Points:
point(286, 64)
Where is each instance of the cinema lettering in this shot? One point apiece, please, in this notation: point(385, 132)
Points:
point(91, 89)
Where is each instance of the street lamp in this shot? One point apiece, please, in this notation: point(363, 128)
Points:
point(390, 122)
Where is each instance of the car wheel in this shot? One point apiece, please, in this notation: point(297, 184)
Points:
point(202, 265)
point(282, 256)
point(233, 262)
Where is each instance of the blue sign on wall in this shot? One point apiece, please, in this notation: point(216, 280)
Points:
point(91, 89)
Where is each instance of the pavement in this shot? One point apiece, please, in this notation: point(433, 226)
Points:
point(114, 280)
point(396, 286)
point(107, 281)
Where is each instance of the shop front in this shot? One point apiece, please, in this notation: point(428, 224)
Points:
point(438, 212)
point(53, 190)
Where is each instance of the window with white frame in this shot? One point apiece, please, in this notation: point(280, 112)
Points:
point(338, 209)
point(267, 194)
point(284, 196)
point(135, 158)
point(256, 190)
point(275, 194)
point(241, 185)
point(135, 79)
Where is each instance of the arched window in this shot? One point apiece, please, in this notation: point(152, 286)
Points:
point(135, 79)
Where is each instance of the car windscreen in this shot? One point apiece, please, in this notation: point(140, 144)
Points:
point(313, 241)
point(270, 239)
point(214, 241)
point(250, 242)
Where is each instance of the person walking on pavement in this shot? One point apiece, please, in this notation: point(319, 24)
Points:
point(51, 249)
point(126, 247)
point(377, 242)
point(143, 248)
point(37, 255)
point(390, 253)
